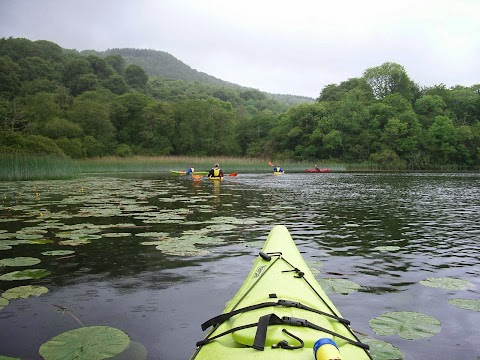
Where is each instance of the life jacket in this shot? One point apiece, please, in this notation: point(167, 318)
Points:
point(216, 172)
point(192, 169)
point(277, 169)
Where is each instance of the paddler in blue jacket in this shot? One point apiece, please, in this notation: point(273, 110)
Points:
point(277, 168)
point(215, 171)
point(190, 170)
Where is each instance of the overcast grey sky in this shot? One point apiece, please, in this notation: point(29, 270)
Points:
point(287, 47)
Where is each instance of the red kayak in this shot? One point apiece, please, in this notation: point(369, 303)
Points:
point(317, 170)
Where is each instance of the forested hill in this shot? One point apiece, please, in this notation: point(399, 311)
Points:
point(162, 64)
point(62, 102)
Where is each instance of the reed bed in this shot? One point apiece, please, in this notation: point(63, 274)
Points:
point(166, 163)
point(17, 167)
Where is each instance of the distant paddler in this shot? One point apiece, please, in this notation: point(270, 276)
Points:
point(277, 170)
point(215, 173)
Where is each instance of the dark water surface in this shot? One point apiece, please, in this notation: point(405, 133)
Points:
point(208, 235)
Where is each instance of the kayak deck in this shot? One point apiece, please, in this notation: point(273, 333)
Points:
point(280, 293)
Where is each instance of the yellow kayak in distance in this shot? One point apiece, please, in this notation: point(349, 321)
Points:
point(280, 313)
point(278, 172)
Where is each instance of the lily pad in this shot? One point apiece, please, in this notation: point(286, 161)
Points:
point(134, 351)
point(381, 350)
point(186, 245)
point(468, 304)
point(5, 247)
point(408, 325)
point(77, 242)
point(40, 241)
point(19, 261)
point(387, 248)
point(24, 292)
point(8, 358)
point(339, 286)
point(58, 252)
point(89, 343)
point(446, 283)
point(25, 274)
point(3, 302)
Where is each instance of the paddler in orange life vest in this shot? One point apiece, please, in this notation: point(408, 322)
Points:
point(215, 171)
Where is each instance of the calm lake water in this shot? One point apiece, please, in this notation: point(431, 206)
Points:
point(155, 256)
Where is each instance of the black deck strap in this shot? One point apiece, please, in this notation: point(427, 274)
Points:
point(261, 334)
point(223, 317)
point(305, 323)
point(284, 344)
point(299, 273)
point(286, 303)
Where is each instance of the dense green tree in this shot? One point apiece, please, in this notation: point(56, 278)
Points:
point(136, 77)
point(117, 62)
point(390, 78)
point(442, 140)
point(93, 118)
point(39, 107)
point(159, 131)
point(204, 127)
point(428, 107)
point(462, 103)
point(71, 147)
point(100, 67)
point(9, 77)
point(116, 84)
point(56, 128)
point(127, 116)
point(334, 92)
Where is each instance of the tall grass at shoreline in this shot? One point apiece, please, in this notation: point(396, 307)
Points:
point(166, 163)
point(15, 167)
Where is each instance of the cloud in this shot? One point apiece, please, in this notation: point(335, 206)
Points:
point(275, 46)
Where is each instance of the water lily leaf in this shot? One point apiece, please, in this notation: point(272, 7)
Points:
point(3, 302)
point(134, 351)
point(40, 241)
point(89, 343)
point(186, 245)
point(58, 252)
point(77, 242)
point(446, 283)
point(159, 235)
point(408, 325)
point(25, 274)
point(381, 350)
point(468, 304)
point(8, 358)
point(387, 248)
point(339, 286)
point(20, 261)
point(314, 266)
point(5, 247)
point(116, 235)
point(24, 292)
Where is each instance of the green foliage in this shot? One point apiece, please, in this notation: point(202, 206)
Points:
point(98, 104)
point(93, 343)
point(136, 77)
point(407, 324)
point(390, 78)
